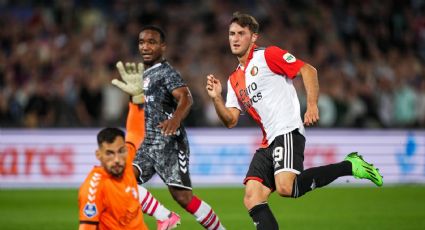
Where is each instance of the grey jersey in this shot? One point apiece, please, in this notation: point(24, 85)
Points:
point(168, 156)
point(159, 81)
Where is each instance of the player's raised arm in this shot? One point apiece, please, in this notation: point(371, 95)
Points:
point(135, 125)
point(133, 85)
point(229, 116)
point(311, 84)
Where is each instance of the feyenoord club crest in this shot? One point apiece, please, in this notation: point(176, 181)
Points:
point(254, 70)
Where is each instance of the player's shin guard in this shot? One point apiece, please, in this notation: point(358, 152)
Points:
point(263, 217)
point(318, 177)
point(151, 206)
point(204, 214)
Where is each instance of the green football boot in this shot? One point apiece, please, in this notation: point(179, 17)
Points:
point(364, 170)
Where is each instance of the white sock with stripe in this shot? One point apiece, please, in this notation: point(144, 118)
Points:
point(151, 206)
point(204, 214)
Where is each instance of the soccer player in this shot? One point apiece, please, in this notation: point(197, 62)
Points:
point(165, 150)
point(110, 198)
point(262, 86)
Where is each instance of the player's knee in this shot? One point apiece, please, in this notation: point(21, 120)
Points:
point(284, 190)
point(248, 201)
point(182, 198)
point(255, 193)
point(252, 199)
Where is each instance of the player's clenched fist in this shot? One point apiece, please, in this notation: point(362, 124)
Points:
point(213, 86)
point(132, 83)
point(311, 116)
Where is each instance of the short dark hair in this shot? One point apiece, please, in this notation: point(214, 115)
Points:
point(157, 29)
point(108, 135)
point(245, 20)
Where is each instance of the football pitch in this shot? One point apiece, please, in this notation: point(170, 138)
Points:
point(392, 207)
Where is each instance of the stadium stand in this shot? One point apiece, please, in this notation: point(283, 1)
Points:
point(57, 57)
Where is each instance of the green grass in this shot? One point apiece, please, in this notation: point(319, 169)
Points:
point(401, 207)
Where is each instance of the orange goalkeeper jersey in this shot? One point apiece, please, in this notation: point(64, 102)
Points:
point(109, 202)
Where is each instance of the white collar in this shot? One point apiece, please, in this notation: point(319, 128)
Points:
point(240, 67)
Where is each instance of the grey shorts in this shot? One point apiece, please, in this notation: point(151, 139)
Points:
point(169, 160)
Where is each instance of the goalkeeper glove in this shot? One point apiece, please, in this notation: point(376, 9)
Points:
point(132, 81)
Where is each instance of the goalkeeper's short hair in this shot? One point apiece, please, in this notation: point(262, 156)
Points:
point(109, 135)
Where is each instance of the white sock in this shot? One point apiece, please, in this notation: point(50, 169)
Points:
point(204, 214)
point(151, 206)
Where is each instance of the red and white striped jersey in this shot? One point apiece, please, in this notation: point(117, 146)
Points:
point(265, 91)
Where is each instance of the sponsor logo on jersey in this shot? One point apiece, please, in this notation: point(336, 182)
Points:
point(250, 95)
point(146, 83)
point(254, 70)
point(149, 98)
point(289, 58)
point(128, 216)
point(133, 191)
point(90, 210)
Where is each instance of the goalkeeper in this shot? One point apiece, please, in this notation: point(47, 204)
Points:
point(110, 198)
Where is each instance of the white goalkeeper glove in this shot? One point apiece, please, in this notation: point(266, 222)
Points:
point(132, 80)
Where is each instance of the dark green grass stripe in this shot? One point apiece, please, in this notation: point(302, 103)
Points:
point(325, 208)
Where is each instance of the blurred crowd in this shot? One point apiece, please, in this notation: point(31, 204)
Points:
point(58, 57)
